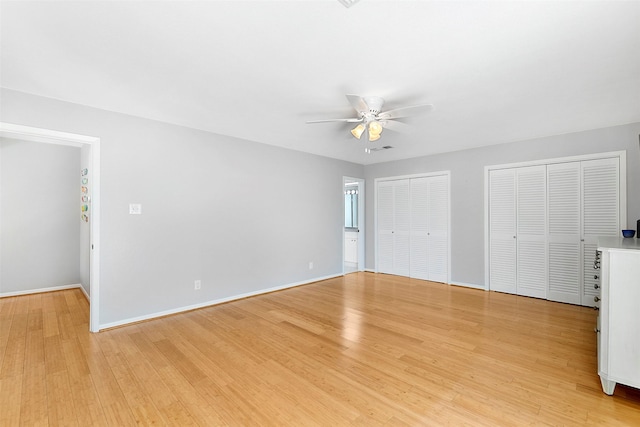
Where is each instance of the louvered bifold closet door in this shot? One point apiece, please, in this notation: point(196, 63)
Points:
point(564, 226)
point(502, 230)
point(531, 191)
point(385, 221)
point(402, 228)
point(419, 228)
point(601, 214)
point(438, 216)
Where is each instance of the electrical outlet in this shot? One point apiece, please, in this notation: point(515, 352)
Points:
point(135, 209)
point(311, 265)
point(197, 284)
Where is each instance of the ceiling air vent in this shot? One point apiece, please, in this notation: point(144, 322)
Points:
point(348, 3)
point(371, 150)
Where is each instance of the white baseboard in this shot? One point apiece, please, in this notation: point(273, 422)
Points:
point(86, 295)
point(211, 303)
point(468, 285)
point(370, 270)
point(40, 290)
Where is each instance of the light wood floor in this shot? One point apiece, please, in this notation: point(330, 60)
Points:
point(364, 349)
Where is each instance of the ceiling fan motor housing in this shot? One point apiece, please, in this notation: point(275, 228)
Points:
point(374, 103)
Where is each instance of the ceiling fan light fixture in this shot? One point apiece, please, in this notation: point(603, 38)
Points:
point(375, 127)
point(357, 131)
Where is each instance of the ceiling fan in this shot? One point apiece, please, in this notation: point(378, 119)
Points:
point(372, 120)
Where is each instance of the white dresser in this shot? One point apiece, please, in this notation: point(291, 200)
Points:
point(619, 318)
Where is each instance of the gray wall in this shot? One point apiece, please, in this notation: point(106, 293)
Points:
point(39, 218)
point(240, 216)
point(467, 186)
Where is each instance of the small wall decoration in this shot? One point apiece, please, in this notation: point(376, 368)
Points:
point(84, 206)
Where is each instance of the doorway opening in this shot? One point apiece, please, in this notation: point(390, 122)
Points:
point(91, 146)
point(353, 226)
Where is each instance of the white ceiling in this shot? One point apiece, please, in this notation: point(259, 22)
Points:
point(495, 71)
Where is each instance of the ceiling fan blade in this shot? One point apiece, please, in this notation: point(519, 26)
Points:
point(405, 111)
point(395, 126)
point(358, 103)
point(352, 120)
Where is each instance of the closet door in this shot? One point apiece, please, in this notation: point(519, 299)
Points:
point(502, 230)
point(564, 232)
point(531, 249)
point(430, 228)
point(385, 212)
point(420, 228)
point(393, 227)
point(438, 231)
point(402, 228)
point(601, 215)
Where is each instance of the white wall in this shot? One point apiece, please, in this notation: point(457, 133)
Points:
point(240, 216)
point(39, 219)
point(467, 185)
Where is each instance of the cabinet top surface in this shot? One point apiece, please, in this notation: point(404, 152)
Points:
point(606, 243)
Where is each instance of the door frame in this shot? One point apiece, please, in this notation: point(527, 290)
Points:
point(361, 221)
point(48, 136)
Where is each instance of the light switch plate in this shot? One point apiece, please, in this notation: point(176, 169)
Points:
point(135, 209)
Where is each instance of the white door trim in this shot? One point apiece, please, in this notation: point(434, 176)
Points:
point(48, 136)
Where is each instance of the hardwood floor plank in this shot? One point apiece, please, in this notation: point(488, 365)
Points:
point(14, 352)
point(89, 411)
point(10, 400)
point(61, 409)
point(112, 400)
point(34, 409)
point(140, 404)
point(50, 323)
point(84, 395)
